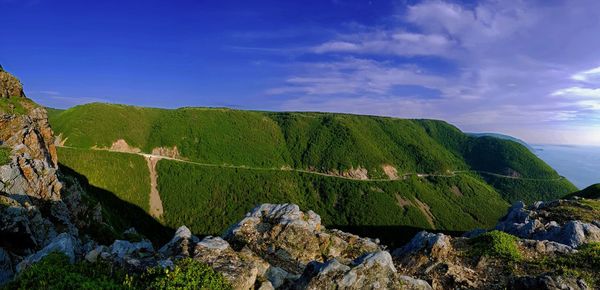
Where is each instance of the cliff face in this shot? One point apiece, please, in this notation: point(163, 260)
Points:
point(32, 212)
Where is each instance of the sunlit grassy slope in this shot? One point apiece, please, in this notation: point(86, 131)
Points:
point(323, 142)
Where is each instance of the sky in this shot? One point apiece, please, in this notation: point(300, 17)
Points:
point(530, 69)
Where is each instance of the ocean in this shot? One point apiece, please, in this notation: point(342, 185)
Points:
point(579, 164)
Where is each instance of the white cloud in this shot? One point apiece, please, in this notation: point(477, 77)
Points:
point(578, 92)
point(392, 42)
point(588, 75)
point(354, 76)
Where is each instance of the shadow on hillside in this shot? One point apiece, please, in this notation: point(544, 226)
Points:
point(391, 236)
point(122, 214)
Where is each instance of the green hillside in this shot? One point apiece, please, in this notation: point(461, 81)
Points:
point(592, 191)
point(322, 142)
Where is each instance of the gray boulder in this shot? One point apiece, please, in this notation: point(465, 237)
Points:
point(434, 245)
point(532, 223)
point(121, 249)
point(370, 271)
point(181, 245)
point(63, 243)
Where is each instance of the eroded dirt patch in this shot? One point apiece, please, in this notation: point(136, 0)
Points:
point(424, 208)
point(390, 171)
point(167, 152)
point(456, 191)
point(122, 146)
point(403, 202)
point(156, 206)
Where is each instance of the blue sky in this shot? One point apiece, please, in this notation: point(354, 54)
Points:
point(526, 68)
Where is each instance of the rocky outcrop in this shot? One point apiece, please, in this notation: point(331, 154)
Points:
point(547, 221)
point(289, 238)
point(32, 210)
point(10, 86)
point(370, 271)
point(34, 218)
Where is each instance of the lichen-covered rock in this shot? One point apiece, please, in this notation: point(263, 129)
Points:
point(217, 253)
point(371, 271)
point(289, 238)
point(436, 245)
point(551, 221)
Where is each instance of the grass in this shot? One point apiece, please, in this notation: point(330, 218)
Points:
point(496, 244)
point(592, 191)
point(16, 105)
point(4, 155)
point(121, 184)
point(586, 211)
point(125, 174)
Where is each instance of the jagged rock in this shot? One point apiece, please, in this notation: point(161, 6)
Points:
point(289, 238)
point(371, 271)
point(6, 267)
point(266, 286)
point(546, 282)
point(279, 277)
point(435, 245)
point(547, 247)
point(533, 223)
point(92, 255)
point(63, 243)
point(217, 253)
point(121, 249)
point(181, 245)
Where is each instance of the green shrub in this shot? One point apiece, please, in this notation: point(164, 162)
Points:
point(4, 155)
point(55, 272)
point(187, 274)
point(496, 244)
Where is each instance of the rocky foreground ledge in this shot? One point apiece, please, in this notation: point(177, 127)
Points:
point(278, 246)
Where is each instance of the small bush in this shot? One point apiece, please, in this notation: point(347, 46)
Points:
point(4, 155)
point(187, 274)
point(55, 272)
point(497, 244)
